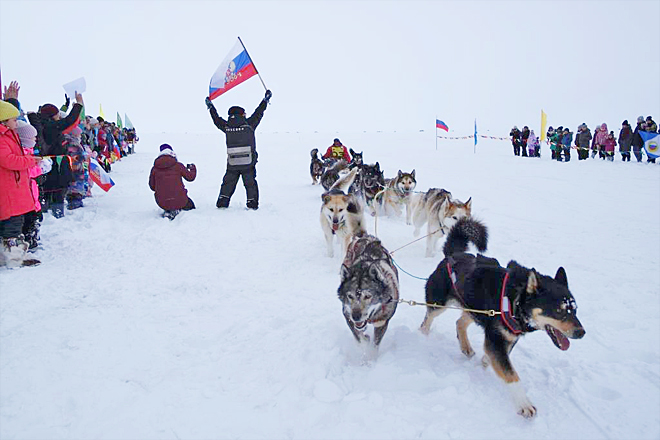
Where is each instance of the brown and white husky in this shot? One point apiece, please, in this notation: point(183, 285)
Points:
point(342, 214)
point(440, 212)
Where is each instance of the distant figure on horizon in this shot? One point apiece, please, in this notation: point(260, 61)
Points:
point(241, 151)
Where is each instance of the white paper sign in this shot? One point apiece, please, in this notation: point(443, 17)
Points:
point(77, 85)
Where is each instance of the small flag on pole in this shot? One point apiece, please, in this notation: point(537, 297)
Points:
point(119, 124)
point(101, 114)
point(129, 124)
point(651, 141)
point(99, 176)
point(441, 125)
point(475, 132)
point(236, 68)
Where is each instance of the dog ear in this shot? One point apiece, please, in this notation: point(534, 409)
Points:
point(561, 277)
point(350, 150)
point(413, 174)
point(400, 174)
point(468, 204)
point(325, 198)
point(377, 167)
point(532, 281)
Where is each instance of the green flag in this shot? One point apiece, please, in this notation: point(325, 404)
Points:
point(119, 121)
point(129, 124)
point(82, 114)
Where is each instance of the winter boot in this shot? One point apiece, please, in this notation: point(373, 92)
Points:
point(171, 214)
point(223, 202)
point(57, 209)
point(252, 204)
point(75, 202)
point(14, 251)
point(32, 237)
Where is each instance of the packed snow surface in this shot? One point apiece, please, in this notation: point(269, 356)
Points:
point(226, 323)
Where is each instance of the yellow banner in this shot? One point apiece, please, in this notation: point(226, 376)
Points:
point(544, 123)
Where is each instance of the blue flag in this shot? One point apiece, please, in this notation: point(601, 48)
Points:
point(651, 141)
point(475, 132)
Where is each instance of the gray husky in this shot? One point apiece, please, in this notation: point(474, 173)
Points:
point(369, 289)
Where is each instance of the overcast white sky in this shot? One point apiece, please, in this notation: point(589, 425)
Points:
point(343, 66)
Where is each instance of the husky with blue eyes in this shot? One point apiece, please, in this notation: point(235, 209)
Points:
point(523, 301)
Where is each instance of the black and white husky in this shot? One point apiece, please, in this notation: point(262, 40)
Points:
point(525, 300)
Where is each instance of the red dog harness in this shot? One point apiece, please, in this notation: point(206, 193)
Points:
point(505, 306)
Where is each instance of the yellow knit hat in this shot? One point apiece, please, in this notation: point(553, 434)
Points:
point(7, 111)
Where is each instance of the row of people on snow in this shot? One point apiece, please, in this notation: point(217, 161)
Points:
point(602, 143)
point(44, 161)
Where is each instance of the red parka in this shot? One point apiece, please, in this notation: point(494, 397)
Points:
point(165, 180)
point(15, 189)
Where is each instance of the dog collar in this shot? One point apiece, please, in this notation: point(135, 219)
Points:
point(505, 307)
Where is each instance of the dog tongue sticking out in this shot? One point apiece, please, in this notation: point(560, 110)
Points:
point(558, 338)
point(335, 226)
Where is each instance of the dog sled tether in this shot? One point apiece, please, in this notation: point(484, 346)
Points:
point(504, 313)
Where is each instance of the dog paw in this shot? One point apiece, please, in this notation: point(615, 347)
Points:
point(485, 361)
point(425, 330)
point(528, 411)
point(467, 352)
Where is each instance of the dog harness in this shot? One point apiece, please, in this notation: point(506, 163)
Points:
point(506, 314)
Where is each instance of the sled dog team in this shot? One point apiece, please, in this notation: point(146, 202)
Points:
point(523, 300)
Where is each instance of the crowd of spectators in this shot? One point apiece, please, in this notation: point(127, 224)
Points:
point(45, 161)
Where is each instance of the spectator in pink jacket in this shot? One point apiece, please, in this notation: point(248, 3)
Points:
point(608, 145)
point(27, 134)
point(599, 141)
point(15, 190)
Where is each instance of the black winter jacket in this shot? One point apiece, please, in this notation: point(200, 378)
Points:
point(241, 142)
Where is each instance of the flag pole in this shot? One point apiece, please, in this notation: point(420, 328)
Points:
point(255, 66)
point(436, 132)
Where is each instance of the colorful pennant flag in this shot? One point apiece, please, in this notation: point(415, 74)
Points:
point(119, 124)
point(129, 124)
point(99, 176)
point(651, 141)
point(441, 125)
point(101, 114)
point(234, 69)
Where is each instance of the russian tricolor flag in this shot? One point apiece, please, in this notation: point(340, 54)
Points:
point(441, 125)
point(234, 69)
point(99, 176)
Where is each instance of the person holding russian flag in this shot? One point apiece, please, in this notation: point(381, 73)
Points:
point(241, 151)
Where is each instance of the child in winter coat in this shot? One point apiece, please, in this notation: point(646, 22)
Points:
point(599, 141)
point(608, 145)
point(532, 144)
point(32, 220)
point(165, 181)
point(566, 141)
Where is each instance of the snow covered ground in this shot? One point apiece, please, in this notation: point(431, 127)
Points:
point(226, 324)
